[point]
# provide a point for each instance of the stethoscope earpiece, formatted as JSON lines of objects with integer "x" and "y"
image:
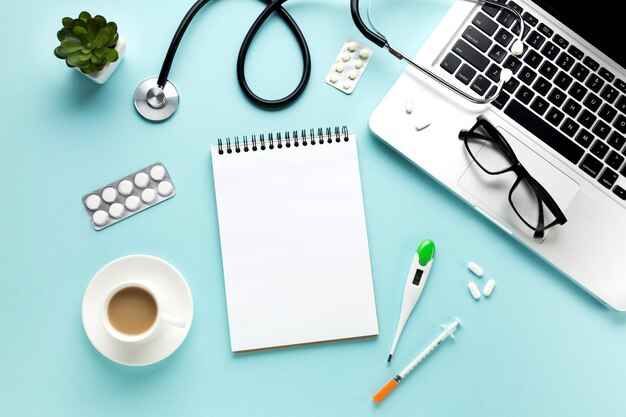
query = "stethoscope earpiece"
{"x": 517, "y": 50}
{"x": 154, "y": 102}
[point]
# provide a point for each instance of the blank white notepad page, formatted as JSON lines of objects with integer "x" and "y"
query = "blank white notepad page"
{"x": 294, "y": 245}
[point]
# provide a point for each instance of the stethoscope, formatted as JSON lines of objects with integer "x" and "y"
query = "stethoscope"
{"x": 157, "y": 98}
{"x": 517, "y": 49}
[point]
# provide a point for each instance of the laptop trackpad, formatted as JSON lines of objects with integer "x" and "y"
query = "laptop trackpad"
{"x": 492, "y": 191}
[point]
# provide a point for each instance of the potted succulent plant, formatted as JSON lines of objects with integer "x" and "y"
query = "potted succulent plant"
{"x": 91, "y": 45}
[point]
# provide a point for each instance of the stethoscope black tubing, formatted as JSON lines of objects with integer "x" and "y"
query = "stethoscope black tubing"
{"x": 272, "y": 6}
{"x": 378, "y": 40}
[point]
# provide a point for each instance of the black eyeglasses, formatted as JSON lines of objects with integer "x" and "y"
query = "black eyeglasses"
{"x": 529, "y": 199}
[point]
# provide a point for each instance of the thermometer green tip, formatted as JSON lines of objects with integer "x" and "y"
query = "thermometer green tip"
{"x": 426, "y": 251}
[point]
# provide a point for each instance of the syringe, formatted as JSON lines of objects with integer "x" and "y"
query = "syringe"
{"x": 447, "y": 331}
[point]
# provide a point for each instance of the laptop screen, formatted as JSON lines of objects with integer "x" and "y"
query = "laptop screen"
{"x": 599, "y": 22}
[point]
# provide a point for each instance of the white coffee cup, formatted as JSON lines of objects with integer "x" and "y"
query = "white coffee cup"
{"x": 160, "y": 318}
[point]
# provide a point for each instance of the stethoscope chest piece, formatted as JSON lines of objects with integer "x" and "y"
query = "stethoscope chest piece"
{"x": 154, "y": 102}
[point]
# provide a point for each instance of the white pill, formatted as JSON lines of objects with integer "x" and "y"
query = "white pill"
{"x": 339, "y": 68}
{"x": 157, "y": 172}
{"x": 474, "y": 290}
{"x": 141, "y": 180}
{"x": 421, "y": 124}
{"x": 100, "y": 218}
{"x": 165, "y": 188}
{"x": 489, "y": 286}
{"x": 409, "y": 105}
{"x": 334, "y": 78}
{"x": 132, "y": 203}
{"x": 475, "y": 269}
{"x": 352, "y": 75}
{"x": 92, "y": 202}
{"x": 109, "y": 194}
{"x": 116, "y": 210}
{"x": 125, "y": 187}
{"x": 346, "y": 85}
{"x": 345, "y": 57}
{"x": 351, "y": 46}
{"x": 148, "y": 195}
{"x": 358, "y": 64}
{"x": 364, "y": 54}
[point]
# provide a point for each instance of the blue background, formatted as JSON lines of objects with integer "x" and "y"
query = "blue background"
{"x": 539, "y": 346}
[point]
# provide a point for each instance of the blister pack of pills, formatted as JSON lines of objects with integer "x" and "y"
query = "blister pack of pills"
{"x": 128, "y": 195}
{"x": 346, "y": 71}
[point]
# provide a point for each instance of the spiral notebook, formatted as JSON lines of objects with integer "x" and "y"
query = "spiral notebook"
{"x": 293, "y": 238}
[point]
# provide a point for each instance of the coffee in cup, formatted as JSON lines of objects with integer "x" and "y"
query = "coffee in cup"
{"x": 132, "y": 313}
{"x": 132, "y": 310}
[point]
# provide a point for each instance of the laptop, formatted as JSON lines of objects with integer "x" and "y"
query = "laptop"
{"x": 563, "y": 113}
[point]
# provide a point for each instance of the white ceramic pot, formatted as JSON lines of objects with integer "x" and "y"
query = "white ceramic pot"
{"x": 105, "y": 73}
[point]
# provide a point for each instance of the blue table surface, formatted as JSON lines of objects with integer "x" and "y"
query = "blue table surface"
{"x": 540, "y": 346}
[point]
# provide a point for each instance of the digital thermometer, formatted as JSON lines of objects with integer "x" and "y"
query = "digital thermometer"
{"x": 415, "y": 281}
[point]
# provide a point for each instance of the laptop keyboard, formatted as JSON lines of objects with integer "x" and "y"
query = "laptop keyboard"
{"x": 564, "y": 97}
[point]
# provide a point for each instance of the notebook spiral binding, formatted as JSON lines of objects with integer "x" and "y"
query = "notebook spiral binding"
{"x": 283, "y": 140}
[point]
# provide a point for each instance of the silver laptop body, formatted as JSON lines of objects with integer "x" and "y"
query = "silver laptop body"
{"x": 586, "y": 179}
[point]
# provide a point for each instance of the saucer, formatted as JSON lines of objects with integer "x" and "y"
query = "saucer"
{"x": 170, "y": 288}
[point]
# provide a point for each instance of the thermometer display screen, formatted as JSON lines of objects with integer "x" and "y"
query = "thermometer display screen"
{"x": 418, "y": 277}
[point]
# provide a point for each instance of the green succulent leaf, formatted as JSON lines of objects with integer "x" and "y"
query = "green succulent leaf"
{"x": 60, "y": 53}
{"x": 112, "y": 26}
{"x": 71, "y": 46}
{"x": 84, "y": 16}
{"x": 66, "y": 33}
{"x": 79, "y": 23}
{"x": 93, "y": 28}
{"x": 81, "y": 32}
{"x": 114, "y": 41}
{"x": 101, "y": 20}
{"x": 103, "y": 37}
{"x": 67, "y": 22}
{"x": 112, "y": 55}
{"x": 78, "y": 59}
{"x": 101, "y": 53}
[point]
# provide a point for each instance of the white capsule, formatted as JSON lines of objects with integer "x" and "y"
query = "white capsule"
{"x": 421, "y": 123}
{"x": 352, "y": 75}
{"x": 347, "y": 85}
{"x": 352, "y": 46}
{"x": 489, "y": 286}
{"x": 334, "y": 78}
{"x": 364, "y": 54}
{"x": 474, "y": 290}
{"x": 358, "y": 64}
{"x": 345, "y": 57}
{"x": 477, "y": 270}
{"x": 409, "y": 105}
{"x": 339, "y": 68}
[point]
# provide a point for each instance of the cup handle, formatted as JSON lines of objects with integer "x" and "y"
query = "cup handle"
{"x": 173, "y": 320}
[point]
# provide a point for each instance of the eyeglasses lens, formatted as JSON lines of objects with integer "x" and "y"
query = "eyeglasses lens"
{"x": 529, "y": 207}
{"x": 487, "y": 153}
